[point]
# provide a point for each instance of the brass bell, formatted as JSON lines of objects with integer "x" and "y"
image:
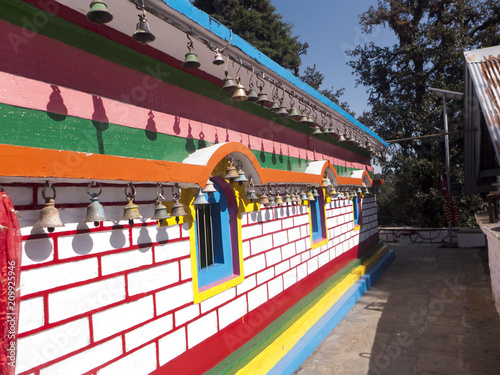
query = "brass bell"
{"x": 218, "y": 60}
{"x": 231, "y": 173}
{"x": 310, "y": 196}
{"x": 303, "y": 196}
{"x": 241, "y": 176}
{"x": 209, "y": 187}
{"x": 130, "y": 210}
{"x": 160, "y": 211}
{"x": 263, "y": 100}
{"x": 95, "y": 210}
{"x": 272, "y": 202}
{"x": 263, "y": 199}
{"x": 191, "y": 61}
{"x": 99, "y": 12}
{"x": 142, "y": 33}
{"x": 282, "y": 112}
{"x": 251, "y": 195}
{"x": 324, "y": 182}
{"x": 275, "y": 107}
{"x": 177, "y": 210}
{"x": 49, "y": 215}
{"x": 229, "y": 84}
{"x": 278, "y": 200}
{"x": 341, "y": 139}
{"x": 316, "y": 131}
{"x": 294, "y": 114}
{"x": 252, "y": 95}
{"x": 315, "y": 193}
{"x": 287, "y": 198}
{"x": 200, "y": 199}
{"x": 239, "y": 94}
{"x": 304, "y": 120}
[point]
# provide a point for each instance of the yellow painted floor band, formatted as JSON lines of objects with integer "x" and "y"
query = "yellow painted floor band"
{"x": 273, "y": 353}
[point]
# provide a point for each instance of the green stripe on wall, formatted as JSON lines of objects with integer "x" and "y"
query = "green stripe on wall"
{"x": 17, "y": 12}
{"x": 33, "y": 128}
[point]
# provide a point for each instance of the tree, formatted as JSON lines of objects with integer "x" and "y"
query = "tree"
{"x": 257, "y": 22}
{"x": 431, "y": 38}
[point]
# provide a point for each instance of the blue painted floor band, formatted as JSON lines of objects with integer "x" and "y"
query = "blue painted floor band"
{"x": 311, "y": 340}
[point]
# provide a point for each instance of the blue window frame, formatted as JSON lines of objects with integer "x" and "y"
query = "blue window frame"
{"x": 318, "y": 230}
{"x": 356, "y": 206}
{"x": 213, "y": 239}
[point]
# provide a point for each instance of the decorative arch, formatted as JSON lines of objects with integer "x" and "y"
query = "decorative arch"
{"x": 212, "y": 155}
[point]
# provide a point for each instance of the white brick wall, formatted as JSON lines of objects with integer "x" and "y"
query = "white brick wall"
{"x": 280, "y": 238}
{"x": 172, "y": 346}
{"x": 148, "y": 332}
{"x": 141, "y": 362}
{"x": 289, "y": 278}
{"x": 92, "y": 243}
{"x": 119, "y": 318}
{"x": 257, "y": 297}
{"x": 152, "y": 278}
{"x": 201, "y": 329}
{"x": 172, "y": 250}
{"x": 53, "y": 343}
{"x": 254, "y": 264}
{"x": 288, "y": 251}
{"x": 87, "y": 360}
{"x": 31, "y": 314}
{"x": 273, "y": 257}
{"x": 282, "y": 267}
{"x": 232, "y": 311}
{"x": 186, "y": 314}
{"x": 261, "y": 244}
{"x": 249, "y": 283}
{"x": 275, "y": 286}
{"x": 174, "y": 297}
{"x": 217, "y": 300}
{"x": 251, "y": 231}
{"x": 186, "y": 272}
{"x": 148, "y": 234}
{"x": 49, "y": 277}
{"x": 271, "y": 227}
{"x": 75, "y": 301}
{"x": 126, "y": 260}
{"x": 265, "y": 275}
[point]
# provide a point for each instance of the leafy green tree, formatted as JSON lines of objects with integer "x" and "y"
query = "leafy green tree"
{"x": 257, "y": 22}
{"x": 431, "y": 38}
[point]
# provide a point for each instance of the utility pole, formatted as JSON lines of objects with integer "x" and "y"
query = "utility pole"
{"x": 450, "y": 95}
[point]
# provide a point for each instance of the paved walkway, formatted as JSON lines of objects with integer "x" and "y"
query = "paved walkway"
{"x": 430, "y": 313}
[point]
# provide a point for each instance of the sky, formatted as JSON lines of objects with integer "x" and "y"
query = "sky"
{"x": 331, "y": 27}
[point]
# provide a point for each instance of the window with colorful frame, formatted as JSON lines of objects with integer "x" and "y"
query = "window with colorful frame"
{"x": 216, "y": 255}
{"x": 317, "y": 220}
{"x": 357, "y": 211}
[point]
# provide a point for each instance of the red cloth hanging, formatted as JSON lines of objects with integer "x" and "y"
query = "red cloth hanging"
{"x": 10, "y": 266}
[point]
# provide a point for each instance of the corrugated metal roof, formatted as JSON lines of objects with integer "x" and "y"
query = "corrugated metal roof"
{"x": 484, "y": 67}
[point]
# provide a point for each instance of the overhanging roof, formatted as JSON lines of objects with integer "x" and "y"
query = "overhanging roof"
{"x": 484, "y": 68}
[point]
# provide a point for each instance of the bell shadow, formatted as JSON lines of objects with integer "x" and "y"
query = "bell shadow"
{"x": 38, "y": 250}
{"x": 262, "y": 152}
{"x": 281, "y": 155}
{"x": 201, "y": 142}
{"x": 56, "y": 109}
{"x": 144, "y": 240}
{"x": 177, "y": 125}
{"x": 82, "y": 244}
{"x": 227, "y": 135}
{"x": 117, "y": 238}
{"x": 151, "y": 131}
{"x": 190, "y": 147}
{"x": 100, "y": 121}
{"x": 216, "y": 137}
{"x": 289, "y": 164}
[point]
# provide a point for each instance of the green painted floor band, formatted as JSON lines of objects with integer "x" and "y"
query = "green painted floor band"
{"x": 242, "y": 356}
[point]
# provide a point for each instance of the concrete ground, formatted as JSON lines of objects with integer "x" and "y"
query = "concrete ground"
{"x": 431, "y": 312}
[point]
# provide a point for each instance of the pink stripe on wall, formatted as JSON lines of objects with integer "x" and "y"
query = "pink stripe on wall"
{"x": 175, "y": 111}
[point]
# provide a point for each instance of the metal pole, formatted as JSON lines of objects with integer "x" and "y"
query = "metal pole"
{"x": 447, "y": 160}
